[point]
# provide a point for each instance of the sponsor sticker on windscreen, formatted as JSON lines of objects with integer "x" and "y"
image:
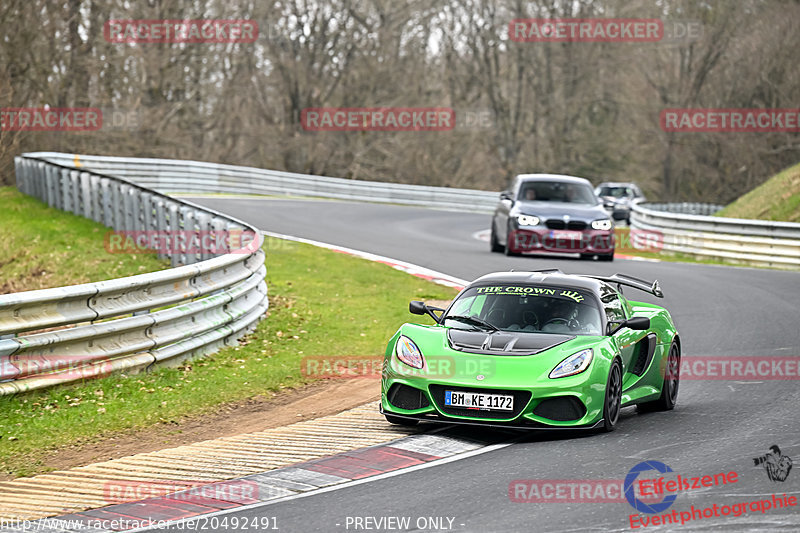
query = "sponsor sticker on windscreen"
{"x": 477, "y": 400}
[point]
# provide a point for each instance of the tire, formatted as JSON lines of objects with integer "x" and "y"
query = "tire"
{"x": 508, "y": 251}
{"x": 396, "y": 420}
{"x": 587, "y": 257}
{"x": 493, "y": 243}
{"x": 669, "y": 389}
{"x": 613, "y": 398}
{"x": 606, "y": 257}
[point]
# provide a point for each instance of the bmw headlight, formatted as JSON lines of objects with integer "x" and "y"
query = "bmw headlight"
{"x": 603, "y": 223}
{"x": 527, "y": 220}
{"x": 407, "y": 352}
{"x": 574, "y": 364}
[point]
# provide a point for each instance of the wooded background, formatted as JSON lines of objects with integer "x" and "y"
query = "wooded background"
{"x": 588, "y": 109}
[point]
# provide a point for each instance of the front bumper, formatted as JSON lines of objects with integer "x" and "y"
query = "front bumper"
{"x": 561, "y": 241}
{"x": 618, "y": 211}
{"x": 524, "y": 424}
{"x": 574, "y": 402}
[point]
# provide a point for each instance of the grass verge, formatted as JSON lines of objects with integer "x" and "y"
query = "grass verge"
{"x": 776, "y": 199}
{"x": 44, "y": 247}
{"x": 321, "y": 303}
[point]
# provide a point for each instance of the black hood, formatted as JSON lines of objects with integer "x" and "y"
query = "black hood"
{"x": 504, "y": 342}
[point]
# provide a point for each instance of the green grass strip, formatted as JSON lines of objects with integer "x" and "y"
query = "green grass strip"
{"x": 44, "y": 247}
{"x": 322, "y": 303}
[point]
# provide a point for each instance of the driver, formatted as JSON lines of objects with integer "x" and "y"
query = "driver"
{"x": 530, "y": 193}
{"x": 561, "y": 316}
{"x": 561, "y": 309}
{"x": 570, "y": 193}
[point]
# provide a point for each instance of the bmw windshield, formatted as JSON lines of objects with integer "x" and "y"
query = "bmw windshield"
{"x": 557, "y": 191}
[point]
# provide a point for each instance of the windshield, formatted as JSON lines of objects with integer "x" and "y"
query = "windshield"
{"x": 616, "y": 192}
{"x": 525, "y": 308}
{"x": 556, "y": 191}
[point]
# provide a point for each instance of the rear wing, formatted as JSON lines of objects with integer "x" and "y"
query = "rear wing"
{"x": 629, "y": 281}
{"x": 620, "y": 279}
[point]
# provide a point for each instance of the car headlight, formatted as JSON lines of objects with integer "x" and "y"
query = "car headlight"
{"x": 603, "y": 223}
{"x": 574, "y": 364}
{"x": 407, "y": 352}
{"x": 527, "y": 220}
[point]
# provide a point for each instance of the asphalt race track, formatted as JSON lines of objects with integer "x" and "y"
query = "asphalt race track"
{"x": 718, "y": 425}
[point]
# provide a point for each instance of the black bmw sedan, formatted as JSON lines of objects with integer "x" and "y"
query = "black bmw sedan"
{"x": 552, "y": 213}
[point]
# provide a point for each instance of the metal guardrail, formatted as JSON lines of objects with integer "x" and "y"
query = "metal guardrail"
{"x": 751, "y": 242}
{"x": 685, "y": 208}
{"x": 171, "y": 175}
{"x": 176, "y": 314}
{"x": 209, "y": 301}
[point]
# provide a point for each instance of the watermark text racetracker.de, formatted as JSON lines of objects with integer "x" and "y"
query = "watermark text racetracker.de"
{"x": 180, "y": 31}
{"x": 356, "y": 366}
{"x": 378, "y": 119}
{"x": 122, "y": 523}
{"x": 570, "y": 491}
{"x": 55, "y": 366}
{"x": 566, "y": 240}
{"x": 739, "y": 368}
{"x": 241, "y": 491}
{"x": 608, "y": 30}
{"x": 172, "y": 242}
{"x": 48, "y": 118}
{"x": 730, "y": 120}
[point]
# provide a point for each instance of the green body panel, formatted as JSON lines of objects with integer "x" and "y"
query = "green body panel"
{"x": 454, "y": 368}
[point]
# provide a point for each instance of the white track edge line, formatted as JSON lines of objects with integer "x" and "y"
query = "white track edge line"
{"x": 346, "y": 484}
{"x": 370, "y": 257}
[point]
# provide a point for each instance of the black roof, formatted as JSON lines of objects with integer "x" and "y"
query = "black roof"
{"x": 556, "y": 278}
{"x": 542, "y": 278}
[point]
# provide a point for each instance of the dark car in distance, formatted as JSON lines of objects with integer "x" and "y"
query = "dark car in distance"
{"x": 552, "y": 213}
{"x": 618, "y": 198}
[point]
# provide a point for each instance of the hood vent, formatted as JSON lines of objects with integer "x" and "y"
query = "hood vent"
{"x": 504, "y": 342}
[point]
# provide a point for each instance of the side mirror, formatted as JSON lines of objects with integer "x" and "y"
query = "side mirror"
{"x": 506, "y": 195}
{"x": 638, "y": 323}
{"x": 419, "y": 308}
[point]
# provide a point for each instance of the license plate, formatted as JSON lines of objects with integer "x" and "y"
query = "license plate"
{"x": 478, "y": 400}
{"x": 566, "y": 234}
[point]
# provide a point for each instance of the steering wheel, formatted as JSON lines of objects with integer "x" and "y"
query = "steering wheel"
{"x": 571, "y": 323}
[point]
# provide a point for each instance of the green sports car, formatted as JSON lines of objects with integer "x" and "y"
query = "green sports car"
{"x": 536, "y": 350}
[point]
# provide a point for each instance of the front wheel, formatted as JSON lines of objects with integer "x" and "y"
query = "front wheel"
{"x": 613, "y": 400}
{"x": 398, "y": 421}
{"x": 509, "y": 251}
{"x": 669, "y": 390}
{"x": 494, "y": 243}
{"x": 606, "y": 257}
